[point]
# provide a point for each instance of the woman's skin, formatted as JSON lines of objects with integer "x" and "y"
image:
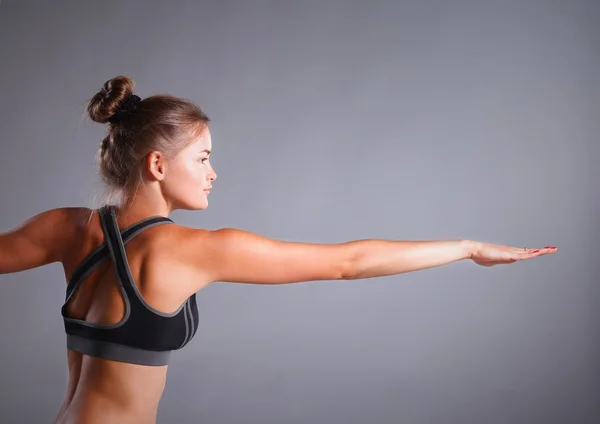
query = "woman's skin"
{"x": 171, "y": 262}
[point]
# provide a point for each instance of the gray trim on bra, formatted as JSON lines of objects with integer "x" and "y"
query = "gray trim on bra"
{"x": 191, "y": 324}
{"x": 188, "y": 328}
{"x": 117, "y": 352}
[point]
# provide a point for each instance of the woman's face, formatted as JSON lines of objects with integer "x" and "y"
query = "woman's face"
{"x": 190, "y": 175}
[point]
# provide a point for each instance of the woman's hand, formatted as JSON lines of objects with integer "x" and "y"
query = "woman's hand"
{"x": 485, "y": 254}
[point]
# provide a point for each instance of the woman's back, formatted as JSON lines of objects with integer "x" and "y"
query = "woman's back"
{"x": 105, "y": 388}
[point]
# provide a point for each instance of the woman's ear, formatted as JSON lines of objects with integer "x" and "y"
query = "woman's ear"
{"x": 156, "y": 165}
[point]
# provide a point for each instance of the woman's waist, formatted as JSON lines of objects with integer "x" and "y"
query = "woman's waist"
{"x": 91, "y": 407}
{"x": 122, "y": 385}
{"x": 94, "y": 406}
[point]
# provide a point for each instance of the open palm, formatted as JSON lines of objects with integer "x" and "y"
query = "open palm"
{"x": 486, "y": 254}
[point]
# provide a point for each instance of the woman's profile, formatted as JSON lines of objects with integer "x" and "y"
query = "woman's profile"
{"x": 133, "y": 274}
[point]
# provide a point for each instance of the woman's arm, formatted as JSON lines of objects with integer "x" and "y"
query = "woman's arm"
{"x": 231, "y": 255}
{"x": 38, "y": 241}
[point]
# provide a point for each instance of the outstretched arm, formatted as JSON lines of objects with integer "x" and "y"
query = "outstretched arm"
{"x": 232, "y": 255}
{"x": 38, "y": 241}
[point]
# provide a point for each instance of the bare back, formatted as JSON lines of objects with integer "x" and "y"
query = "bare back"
{"x": 105, "y": 391}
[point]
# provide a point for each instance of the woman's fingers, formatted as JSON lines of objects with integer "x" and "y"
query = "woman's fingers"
{"x": 529, "y": 249}
{"x": 512, "y": 254}
{"x": 534, "y": 253}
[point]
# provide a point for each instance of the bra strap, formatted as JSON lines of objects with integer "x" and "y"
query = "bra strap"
{"x": 94, "y": 258}
{"x": 116, "y": 247}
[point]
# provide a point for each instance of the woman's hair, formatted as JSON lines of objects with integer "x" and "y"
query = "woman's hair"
{"x": 162, "y": 122}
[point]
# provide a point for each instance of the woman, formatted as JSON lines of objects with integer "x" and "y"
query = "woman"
{"x": 132, "y": 273}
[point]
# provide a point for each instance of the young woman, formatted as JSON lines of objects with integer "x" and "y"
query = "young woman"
{"x": 132, "y": 273}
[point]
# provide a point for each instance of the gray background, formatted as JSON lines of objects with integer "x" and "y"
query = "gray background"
{"x": 335, "y": 121}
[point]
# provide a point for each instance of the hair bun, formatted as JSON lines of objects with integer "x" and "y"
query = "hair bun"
{"x": 111, "y": 99}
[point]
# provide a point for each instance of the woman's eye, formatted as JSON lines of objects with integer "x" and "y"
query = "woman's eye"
{"x": 203, "y": 160}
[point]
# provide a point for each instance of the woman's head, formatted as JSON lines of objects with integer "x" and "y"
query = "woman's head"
{"x": 158, "y": 145}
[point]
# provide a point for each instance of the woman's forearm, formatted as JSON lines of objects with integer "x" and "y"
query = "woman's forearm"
{"x": 376, "y": 258}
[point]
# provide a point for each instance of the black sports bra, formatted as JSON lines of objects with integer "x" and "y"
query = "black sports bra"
{"x": 145, "y": 335}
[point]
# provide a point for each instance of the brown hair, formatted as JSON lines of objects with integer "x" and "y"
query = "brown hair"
{"x": 161, "y": 122}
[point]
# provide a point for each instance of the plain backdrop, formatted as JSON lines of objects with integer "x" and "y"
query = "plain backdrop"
{"x": 335, "y": 121}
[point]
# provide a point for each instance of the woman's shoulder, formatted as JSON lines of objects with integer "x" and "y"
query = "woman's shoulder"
{"x": 41, "y": 239}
